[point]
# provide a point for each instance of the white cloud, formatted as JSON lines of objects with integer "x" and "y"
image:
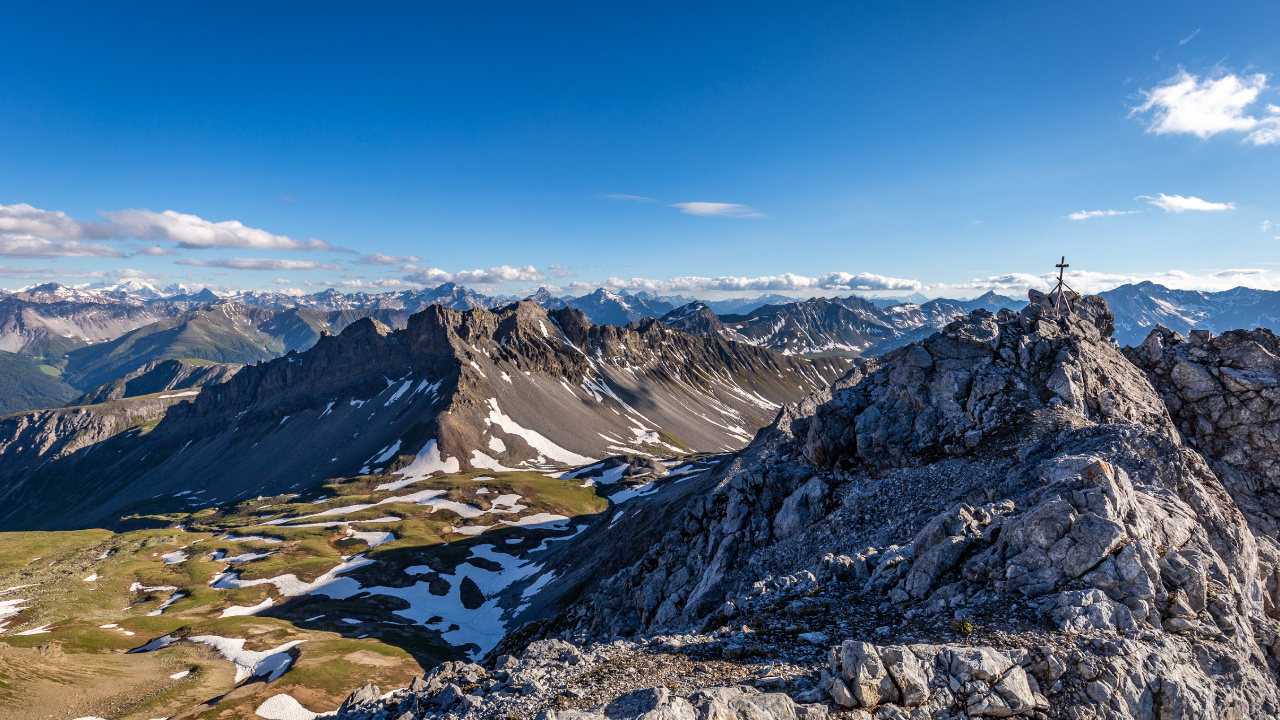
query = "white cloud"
{"x": 23, "y": 245}
{"x": 156, "y": 250}
{"x": 22, "y": 273}
{"x": 1186, "y": 104}
{"x": 375, "y": 284}
{"x": 1177, "y": 203}
{"x": 492, "y": 276}
{"x": 787, "y": 282}
{"x": 1087, "y": 214}
{"x": 1017, "y": 284}
{"x": 24, "y": 219}
{"x": 259, "y": 264}
{"x": 282, "y": 281}
{"x": 383, "y": 259}
{"x": 118, "y": 274}
{"x": 1188, "y": 38}
{"x": 634, "y": 198}
{"x": 718, "y": 209}
{"x": 191, "y": 231}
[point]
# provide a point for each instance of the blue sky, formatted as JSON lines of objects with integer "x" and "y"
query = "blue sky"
{"x": 724, "y": 148}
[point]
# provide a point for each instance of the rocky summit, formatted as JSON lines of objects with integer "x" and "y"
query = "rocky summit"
{"x": 1012, "y": 518}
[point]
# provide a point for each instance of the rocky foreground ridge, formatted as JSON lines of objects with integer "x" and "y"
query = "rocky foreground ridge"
{"x": 1013, "y": 518}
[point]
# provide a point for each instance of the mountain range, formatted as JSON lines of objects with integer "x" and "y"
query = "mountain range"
{"x": 517, "y": 388}
{"x": 68, "y": 341}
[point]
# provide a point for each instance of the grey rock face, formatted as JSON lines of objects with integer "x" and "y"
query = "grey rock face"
{"x": 866, "y": 674}
{"x": 1224, "y": 395}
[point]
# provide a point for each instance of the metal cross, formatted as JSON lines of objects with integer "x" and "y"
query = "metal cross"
{"x": 1058, "y": 299}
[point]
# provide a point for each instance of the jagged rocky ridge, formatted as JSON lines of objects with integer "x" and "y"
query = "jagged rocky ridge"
{"x": 520, "y": 388}
{"x": 838, "y": 325}
{"x": 1008, "y": 519}
{"x": 159, "y": 376}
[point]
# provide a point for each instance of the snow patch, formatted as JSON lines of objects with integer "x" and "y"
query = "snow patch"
{"x": 387, "y": 453}
{"x": 239, "y": 610}
{"x": 399, "y": 392}
{"x": 426, "y": 462}
{"x": 164, "y": 605}
{"x": 338, "y": 588}
{"x": 271, "y": 663}
{"x": 537, "y": 585}
{"x": 484, "y": 462}
{"x": 535, "y": 440}
{"x": 374, "y": 538}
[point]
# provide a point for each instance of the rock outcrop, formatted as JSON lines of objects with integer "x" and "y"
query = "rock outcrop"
{"x": 158, "y": 376}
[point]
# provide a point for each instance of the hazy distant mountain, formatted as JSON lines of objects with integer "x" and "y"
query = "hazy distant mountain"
{"x": 696, "y": 318}
{"x": 843, "y": 326}
{"x": 742, "y": 306}
{"x": 1139, "y": 308}
{"x": 50, "y": 321}
{"x": 604, "y": 307}
{"x": 544, "y": 298}
{"x": 820, "y": 325}
{"x": 448, "y": 294}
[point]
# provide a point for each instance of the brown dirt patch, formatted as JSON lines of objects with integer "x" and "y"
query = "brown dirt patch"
{"x": 365, "y": 657}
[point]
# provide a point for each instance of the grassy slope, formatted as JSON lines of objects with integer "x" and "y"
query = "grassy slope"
{"x": 336, "y": 657}
{"x": 205, "y": 335}
{"x": 25, "y": 384}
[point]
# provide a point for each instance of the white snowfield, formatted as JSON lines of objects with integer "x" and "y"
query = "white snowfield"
{"x": 165, "y": 605}
{"x": 428, "y": 498}
{"x": 374, "y": 538}
{"x": 482, "y": 627}
{"x": 285, "y": 707}
{"x": 9, "y": 608}
{"x": 246, "y": 557}
{"x": 238, "y": 610}
{"x": 289, "y": 585}
{"x": 176, "y": 556}
{"x": 535, "y": 440}
{"x": 270, "y": 663}
{"x": 426, "y": 462}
